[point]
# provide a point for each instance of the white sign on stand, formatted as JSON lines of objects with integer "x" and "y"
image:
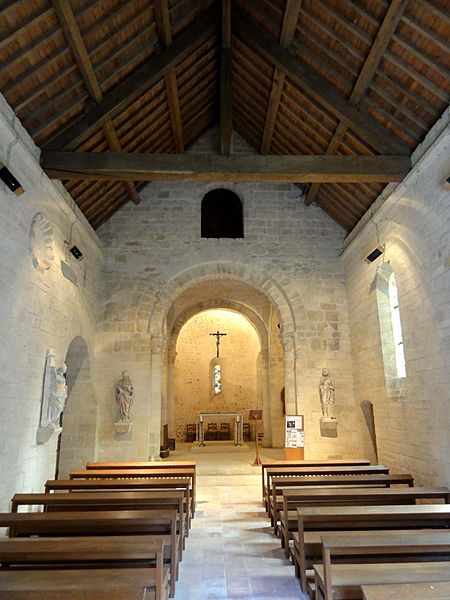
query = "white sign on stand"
{"x": 294, "y": 434}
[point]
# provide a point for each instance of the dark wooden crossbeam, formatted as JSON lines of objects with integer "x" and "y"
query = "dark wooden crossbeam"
{"x": 387, "y": 28}
{"x": 200, "y": 167}
{"x": 325, "y": 94}
{"x": 134, "y": 86}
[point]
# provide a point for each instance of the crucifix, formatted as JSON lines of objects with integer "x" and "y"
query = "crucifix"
{"x": 218, "y": 336}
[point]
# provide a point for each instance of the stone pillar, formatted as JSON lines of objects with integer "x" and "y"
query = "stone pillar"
{"x": 171, "y": 356}
{"x": 154, "y": 409}
{"x": 267, "y": 413}
{"x": 290, "y": 375}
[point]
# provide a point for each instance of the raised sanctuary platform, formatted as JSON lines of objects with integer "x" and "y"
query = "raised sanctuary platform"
{"x": 219, "y": 446}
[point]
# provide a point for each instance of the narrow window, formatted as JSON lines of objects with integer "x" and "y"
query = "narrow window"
{"x": 222, "y": 215}
{"x": 217, "y": 380}
{"x": 396, "y": 328}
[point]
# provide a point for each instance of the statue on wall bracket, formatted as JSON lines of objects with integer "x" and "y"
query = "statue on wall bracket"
{"x": 54, "y": 398}
{"x": 123, "y": 394}
{"x": 328, "y": 422}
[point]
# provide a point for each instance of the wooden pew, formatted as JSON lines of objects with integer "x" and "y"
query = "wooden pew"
{"x": 338, "y": 462}
{"x": 109, "y": 501}
{"x": 154, "y": 472}
{"x": 119, "y": 484}
{"x": 331, "y": 519}
{"x": 435, "y": 590}
{"x": 61, "y": 555}
{"x": 100, "y": 523}
{"x": 320, "y": 471}
{"x": 75, "y": 584}
{"x": 164, "y": 465}
{"x": 128, "y": 593}
{"x": 294, "y": 498}
{"x": 279, "y": 484}
{"x": 344, "y": 581}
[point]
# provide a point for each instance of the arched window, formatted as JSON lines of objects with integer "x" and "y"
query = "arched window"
{"x": 222, "y": 215}
{"x": 390, "y": 327}
{"x": 396, "y": 328}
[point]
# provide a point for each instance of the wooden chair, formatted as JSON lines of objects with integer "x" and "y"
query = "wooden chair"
{"x": 246, "y": 432}
{"x": 190, "y": 433}
{"x": 211, "y": 432}
{"x": 224, "y": 432}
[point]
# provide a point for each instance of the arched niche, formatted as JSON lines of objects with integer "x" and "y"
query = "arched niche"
{"x": 77, "y": 440}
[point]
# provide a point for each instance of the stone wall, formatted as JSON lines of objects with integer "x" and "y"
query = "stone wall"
{"x": 290, "y": 254}
{"x": 39, "y": 305}
{"x": 239, "y": 352}
{"x": 412, "y": 418}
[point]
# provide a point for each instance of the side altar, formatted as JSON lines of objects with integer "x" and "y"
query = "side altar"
{"x": 200, "y": 428}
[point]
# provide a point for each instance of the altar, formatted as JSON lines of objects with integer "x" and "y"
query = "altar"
{"x": 200, "y": 428}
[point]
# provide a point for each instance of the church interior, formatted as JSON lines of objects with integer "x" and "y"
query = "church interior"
{"x": 219, "y": 219}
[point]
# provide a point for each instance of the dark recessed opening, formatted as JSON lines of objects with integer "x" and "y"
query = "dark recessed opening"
{"x": 222, "y": 215}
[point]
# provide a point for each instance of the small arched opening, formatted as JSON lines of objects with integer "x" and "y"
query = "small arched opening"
{"x": 222, "y": 215}
{"x": 76, "y": 444}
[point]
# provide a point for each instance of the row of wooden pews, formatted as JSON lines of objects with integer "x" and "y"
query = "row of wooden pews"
{"x": 112, "y": 530}
{"x": 354, "y": 530}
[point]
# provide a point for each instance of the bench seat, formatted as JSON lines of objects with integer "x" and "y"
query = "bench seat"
{"x": 348, "y": 578}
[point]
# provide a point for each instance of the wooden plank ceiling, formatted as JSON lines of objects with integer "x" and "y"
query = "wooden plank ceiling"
{"x": 343, "y": 78}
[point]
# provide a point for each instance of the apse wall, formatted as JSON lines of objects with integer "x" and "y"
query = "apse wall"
{"x": 412, "y": 414}
{"x": 286, "y": 246}
{"x": 40, "y": 306}
{"x": 239, "y": 350}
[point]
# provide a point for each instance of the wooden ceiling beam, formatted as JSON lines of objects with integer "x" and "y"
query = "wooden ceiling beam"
{"x": 66, "y": 17}
{"x": 226, "y": 82}
{"x": 317, "y": 87}
{"x": 162, "y": 18}
{"x": 136, "y": 84}
{"x": 173, "y": 167}
{"x": 290, "y": 20}
{"x": 387, "y": 28}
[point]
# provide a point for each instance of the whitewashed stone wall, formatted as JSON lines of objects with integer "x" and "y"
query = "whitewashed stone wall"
{"x": 412, "y": 428}
{"x": 39, "y": 307}
{"x": 153, "y": 244}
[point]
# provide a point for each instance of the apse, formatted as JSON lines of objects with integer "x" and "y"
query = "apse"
{"x": 216, "y": 373}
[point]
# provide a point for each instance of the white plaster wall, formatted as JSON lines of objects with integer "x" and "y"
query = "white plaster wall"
{"x": 414, "y": 224}
{"x": 151, "y": 244}
{"x": 38, "y": 309}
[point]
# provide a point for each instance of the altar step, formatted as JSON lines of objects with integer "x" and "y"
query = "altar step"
{"x": 219, "y": 446}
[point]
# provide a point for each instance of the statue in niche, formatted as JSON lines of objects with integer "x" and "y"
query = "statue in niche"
{"x": 124, "y": 393}
{"x": 53, "y": 398}
{"x": 326, "y": 392}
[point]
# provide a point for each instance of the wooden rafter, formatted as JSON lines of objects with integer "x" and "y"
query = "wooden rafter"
{"x": 325, "y": 94}
{"x": 226, "y": 100}
{"x": 162, "y": 18}
{"x": 136, "y": 84}
{"x": 173, "y": 167}
{"x": 290, "y": 20}
{"x": 66, "y": 17}
{"x": 387, "y": 28}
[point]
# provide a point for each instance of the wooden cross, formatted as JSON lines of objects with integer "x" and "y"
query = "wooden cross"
{"x": 218, "y": 336}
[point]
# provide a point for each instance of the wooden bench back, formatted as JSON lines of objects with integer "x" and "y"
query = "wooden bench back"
{"x": 386, "y": 547}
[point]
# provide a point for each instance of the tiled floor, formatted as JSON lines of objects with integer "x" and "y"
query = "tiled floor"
{"x": 231, "y": 551}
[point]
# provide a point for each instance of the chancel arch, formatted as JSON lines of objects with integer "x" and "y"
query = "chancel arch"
{"x": 272, "y": 300}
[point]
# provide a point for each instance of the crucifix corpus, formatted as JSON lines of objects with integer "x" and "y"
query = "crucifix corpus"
{"x": 218, "y": 335}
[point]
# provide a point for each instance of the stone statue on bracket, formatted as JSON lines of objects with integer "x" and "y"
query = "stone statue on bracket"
{"x": 326, "y": 392}
{"x": 124, "y": 394}
{"x": 53, "y": 398}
